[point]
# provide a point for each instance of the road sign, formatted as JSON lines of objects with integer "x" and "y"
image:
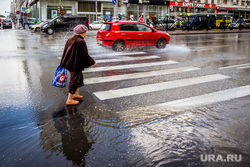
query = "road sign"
{"x": 114, "y": 2}
{"x": 18, "y": 12}
{"x": 23, "y": 9}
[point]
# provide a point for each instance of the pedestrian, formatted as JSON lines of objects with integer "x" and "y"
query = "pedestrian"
{"x": 111, "y": 18}
{"x": 24, "y": 22}
{"x": 119, "y": 16}
{"x": 1, "y": 23}
{"x": 155, "y": 22}
{"x": 148, "y": 21}
{"x": 21, "y": 22}
{"x": 141, "y": 18}
{"x": 75, "y": 59}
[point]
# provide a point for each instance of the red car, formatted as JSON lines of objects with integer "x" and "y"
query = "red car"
{"x": 122, "y": 34}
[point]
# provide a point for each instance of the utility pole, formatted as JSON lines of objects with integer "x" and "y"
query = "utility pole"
{"x": 115, "y": 3}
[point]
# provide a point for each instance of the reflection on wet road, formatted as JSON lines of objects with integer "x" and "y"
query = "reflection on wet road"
{"x": 142, "y": 107}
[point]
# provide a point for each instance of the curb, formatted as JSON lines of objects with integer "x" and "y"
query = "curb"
{"x": 185, "y": 32}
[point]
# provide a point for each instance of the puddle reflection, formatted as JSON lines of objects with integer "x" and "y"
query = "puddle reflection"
{"x": 75, "y": 145}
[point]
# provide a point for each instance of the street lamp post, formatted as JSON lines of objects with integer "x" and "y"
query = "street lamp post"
{"x": 240, "y": 22}
{"x": 224, "y": 25}
{"x": 207, "y": 22}
{"x": 167, "y": 23}
{"x": 194, "y": 5}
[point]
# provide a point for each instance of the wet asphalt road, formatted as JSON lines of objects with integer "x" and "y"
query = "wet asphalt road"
{"x": 158, "y": 114}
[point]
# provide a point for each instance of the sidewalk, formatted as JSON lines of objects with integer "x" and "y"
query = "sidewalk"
{"x": 215, "y": 31}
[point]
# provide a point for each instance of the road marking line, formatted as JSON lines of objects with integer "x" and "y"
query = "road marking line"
{"x": 114, "y": 54}
{"x": 138, "y": 75}
{"x": 244, "y": 67}
{"x": 118, "y": 54}
{"x": 149, "y": 113}
{"x": 119, "y": 67}
{"x": 127, "y": 59}
{"x": 117, "y": 93}
{"x": 240, "y": 65}
{"x": 210, "y": 98}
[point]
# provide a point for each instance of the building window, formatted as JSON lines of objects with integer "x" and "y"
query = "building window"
{"x": 88, "y": 7}
{"x": 242, "y": 3}
{"x": 212, "y": 1}
{"x": 218, "y": 1}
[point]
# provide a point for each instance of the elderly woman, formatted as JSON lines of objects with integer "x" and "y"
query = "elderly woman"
{"x": 75, "y": 58}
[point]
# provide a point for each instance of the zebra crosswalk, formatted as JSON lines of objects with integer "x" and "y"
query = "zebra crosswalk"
{"x": 110, "y": 94}
{"x": 136, "y": 61}
{"x": 154, "y": 61}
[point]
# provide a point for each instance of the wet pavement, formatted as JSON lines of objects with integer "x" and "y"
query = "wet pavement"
{"x": 152, "y": 117}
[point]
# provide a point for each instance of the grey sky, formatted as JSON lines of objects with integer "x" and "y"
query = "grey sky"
{"x": 5, "y": 6}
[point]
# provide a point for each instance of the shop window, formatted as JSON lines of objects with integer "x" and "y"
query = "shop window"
{"x": 88, "y": 7}
{"x": 132, "y": 7}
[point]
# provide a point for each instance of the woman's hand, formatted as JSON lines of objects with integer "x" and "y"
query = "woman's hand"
{"x": 95, "y": 65}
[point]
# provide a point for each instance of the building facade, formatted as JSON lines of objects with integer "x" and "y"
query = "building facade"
{"x": 130, "y": 9}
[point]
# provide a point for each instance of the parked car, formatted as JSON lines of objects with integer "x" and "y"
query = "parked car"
{"x": 122, "y": 34}
{"x": 244, "y": 23}
{"x": 96, "y": 25}
{"x": 31, "y": 21}
{"x": 37, "y": 27}
{"x": 63, "y": 23}
{"x": 7, "y": 23}
{"x": 171, "y": 24}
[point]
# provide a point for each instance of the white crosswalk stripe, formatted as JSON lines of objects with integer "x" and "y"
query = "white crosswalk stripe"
{"x": 128, "y": 66}
{"x": 169, "y": 108}
{"x": 138, "y": 75}
{"x": 111, "y": 94}
{"x": 127, "y": 59}
{"x": 118, "y": 54}
{"x": 210, "y": 98}
{"x": 233, "y": 66}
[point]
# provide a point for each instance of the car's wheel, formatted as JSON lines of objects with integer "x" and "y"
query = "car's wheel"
{"x": 161, "y": 43}
{"x": 37, "y": 29}
{"x": 119, "y": 46}
{"x": 50, "y": 31}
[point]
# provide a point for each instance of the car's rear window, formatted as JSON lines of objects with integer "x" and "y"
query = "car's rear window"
{"x": 106, "y": 26}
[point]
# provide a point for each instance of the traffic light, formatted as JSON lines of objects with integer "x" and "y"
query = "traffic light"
{"x": 120, "y": 3}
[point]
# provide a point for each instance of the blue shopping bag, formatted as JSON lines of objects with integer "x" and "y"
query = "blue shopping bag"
{"x": 60, "y": 78}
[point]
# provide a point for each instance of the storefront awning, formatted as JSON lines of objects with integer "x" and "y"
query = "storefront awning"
{"x": 190, "y": 4}
{"x": 150, "y": 2}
